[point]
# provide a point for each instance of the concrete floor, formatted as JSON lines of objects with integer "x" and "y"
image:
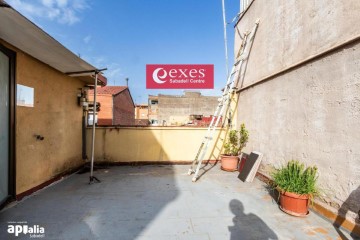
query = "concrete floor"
{"x": 160, "y": 202}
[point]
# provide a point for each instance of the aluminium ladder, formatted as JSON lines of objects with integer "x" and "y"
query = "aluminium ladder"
{"x": 225, "y": 100}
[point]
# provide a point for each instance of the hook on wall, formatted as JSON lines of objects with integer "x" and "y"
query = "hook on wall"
{"x": 39, "y": 137}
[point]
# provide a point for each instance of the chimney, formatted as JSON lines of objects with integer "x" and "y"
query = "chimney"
{"x": 127, "y": 82}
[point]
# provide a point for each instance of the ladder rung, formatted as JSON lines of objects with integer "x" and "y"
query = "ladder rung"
{"x": 237, "y": 62}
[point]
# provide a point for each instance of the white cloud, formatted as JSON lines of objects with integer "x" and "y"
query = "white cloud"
{"x": 61, "y": 3}
{"x": 68, "y": 17}
{"x": 100, "y": 61}
{"x": 62, "y": 11}
{"x": 48, "y": 3}
{"x": 87, "y": 39}
{"x": 114, "y": 74}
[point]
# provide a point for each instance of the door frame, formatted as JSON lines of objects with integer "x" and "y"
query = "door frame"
{"x": 12, "y": 124}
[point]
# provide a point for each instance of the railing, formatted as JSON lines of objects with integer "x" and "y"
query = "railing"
{"x": 244, "y": 4}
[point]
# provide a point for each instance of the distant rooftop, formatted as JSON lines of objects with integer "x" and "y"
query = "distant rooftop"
{"x": 110, "y": 90}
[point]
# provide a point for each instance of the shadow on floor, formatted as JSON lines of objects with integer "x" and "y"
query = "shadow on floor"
{"x": 248, "y": 226}
{"x": 204, "y": 168}
{"x": 275, "y": 196}
{"x": 352, "y": 203}
{"x": 122, "y": 206}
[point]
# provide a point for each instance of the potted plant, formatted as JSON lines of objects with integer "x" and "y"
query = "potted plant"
{"x": 296, "y": 185}
{"x": 232, "y": 148}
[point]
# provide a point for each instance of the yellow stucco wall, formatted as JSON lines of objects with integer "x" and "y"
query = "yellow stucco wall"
{"x": 132, "y": 144}
{"x": 55, "y": 115}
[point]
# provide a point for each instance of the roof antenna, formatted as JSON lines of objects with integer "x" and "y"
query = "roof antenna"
{"x": 127, "y": 82}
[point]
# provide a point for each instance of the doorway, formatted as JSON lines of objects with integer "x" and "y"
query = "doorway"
{"x": 7, "y": 125}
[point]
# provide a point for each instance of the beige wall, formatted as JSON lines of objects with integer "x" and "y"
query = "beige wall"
{"x": 312, "y": 112}
{"x": 293, "y": 30}
{"x": 55, "y": 115}
{"x": 152, "y": 144}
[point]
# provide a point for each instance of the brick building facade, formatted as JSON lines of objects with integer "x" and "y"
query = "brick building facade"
{"x": 142, "y": 114}
{"x": 177, "y": 110}
{"x": 117, "y": 105}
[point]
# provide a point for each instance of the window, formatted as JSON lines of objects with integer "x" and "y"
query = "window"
{"x": 25, "y": 96}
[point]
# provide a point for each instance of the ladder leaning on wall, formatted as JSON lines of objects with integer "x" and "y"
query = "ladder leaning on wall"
{"x": 225, "y": 100}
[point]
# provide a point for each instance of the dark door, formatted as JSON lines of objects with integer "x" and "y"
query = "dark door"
{"x": 6, "y": 124}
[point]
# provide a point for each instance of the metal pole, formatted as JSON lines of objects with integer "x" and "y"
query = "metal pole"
{"x": 92, "y": 178}
{"x": 225, "y": 39}
{"x": 84, "y": 157}
{"x": 87, "y": 73}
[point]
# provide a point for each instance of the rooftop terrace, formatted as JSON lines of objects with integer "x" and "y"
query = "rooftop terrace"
{"x": 161, "y": 202}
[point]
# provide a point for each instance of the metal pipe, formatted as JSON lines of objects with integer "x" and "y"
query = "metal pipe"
{"x": 86, "y": 71}
{"x": 84, "y": 157}
{"x": 93, "y": 129}
{"x": 225, "y": 39}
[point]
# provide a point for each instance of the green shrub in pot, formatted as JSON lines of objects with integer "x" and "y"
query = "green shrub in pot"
{"x": 236, "y": 141}
{"x": 295, "y": 181}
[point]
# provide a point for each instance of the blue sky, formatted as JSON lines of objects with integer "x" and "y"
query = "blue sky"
{"x": 125, "y": 35}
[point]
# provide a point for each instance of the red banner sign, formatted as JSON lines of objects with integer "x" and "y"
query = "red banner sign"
{"x": 179, "y": 76}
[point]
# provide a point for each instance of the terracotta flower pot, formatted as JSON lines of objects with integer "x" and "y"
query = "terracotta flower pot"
{"x": 229, "y": 163}
{"x": 294, "y": 204}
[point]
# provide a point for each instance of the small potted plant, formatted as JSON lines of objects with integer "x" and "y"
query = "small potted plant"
{"x": 232, "y": 148}
{"x": 296, "y": 185}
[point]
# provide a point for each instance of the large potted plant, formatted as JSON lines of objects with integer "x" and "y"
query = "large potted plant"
{"x": 232, "y": 148}
{"x": 296, "y": 185}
